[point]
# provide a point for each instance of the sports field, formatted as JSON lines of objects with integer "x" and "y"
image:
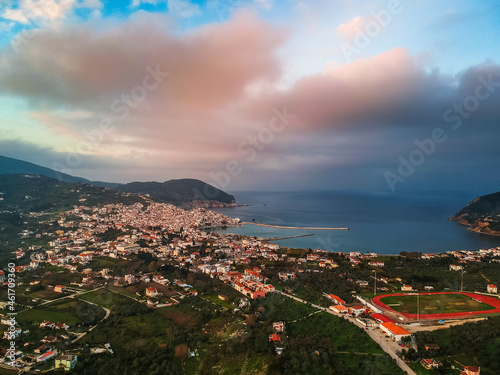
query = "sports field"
{"x": 444, "y": 305}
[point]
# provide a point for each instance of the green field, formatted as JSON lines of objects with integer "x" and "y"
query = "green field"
{"x": 69, "y": 311}
{"x": 434, "y": 304}
{"x": 106, "y": 298}
{"x": 39, "y": 315}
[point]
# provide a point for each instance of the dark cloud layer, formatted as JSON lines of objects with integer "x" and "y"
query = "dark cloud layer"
{"x": 351, "y": 122}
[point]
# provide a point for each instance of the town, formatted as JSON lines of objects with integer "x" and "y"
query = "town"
{"x": 158, "y": 256}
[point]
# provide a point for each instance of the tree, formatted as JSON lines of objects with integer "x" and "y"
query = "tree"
{"x": 181, "y": 352}
{"x": 152, "y": 266}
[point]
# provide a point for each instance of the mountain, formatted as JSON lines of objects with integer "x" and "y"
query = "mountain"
{"x": 184, "y": 192}
{"x": 482, "y": 215}
{"x": 35, "y": 193}
{"x": 16, "y": 166}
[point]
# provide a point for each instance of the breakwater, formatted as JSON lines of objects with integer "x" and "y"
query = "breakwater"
{"x": 283, "y": 227}
{"x": 287, "y": 238}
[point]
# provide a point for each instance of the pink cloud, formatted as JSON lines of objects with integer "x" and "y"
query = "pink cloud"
{"x": 191, "y": 117}
{"x": 372, "y": 89}
{"x": 352, "y": 28}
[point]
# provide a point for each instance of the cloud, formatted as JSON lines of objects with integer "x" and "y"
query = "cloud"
{"x": 137, "y": 3}
{"x": 266, "y": 4}
{"x": 380, "y": 89}
{"x": 6, "y": 26}
{"x": 209, "y": 69}
{"x": 176, "y": 8}
{"x": 223, "y": 87}
{"x": 352, "y": 28}
{"x": 46, "y": 11}
{"x": 183, "y": 8}
{"x": 91, "y": 4}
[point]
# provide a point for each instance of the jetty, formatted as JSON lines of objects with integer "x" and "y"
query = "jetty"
{"x": 286, "y": 238}
{"x": 283, "y": 227}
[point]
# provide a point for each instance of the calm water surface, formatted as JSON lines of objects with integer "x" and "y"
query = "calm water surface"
{"x": 384, "y": 223}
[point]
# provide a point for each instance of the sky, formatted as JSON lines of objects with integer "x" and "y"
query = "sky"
{"x": 384, "y": 96}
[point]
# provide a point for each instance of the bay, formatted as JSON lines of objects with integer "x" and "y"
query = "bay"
{"x": 385, "y": 223}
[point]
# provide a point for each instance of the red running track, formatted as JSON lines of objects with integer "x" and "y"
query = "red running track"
{"x": 494, "y": 302}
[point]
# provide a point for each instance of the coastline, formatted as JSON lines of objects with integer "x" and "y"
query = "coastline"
{"x": 472, "y": 229}
{"x": 287, "y": 227}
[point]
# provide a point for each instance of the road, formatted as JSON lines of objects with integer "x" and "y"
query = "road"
{"x": 60, "y": 298}
{"x": 80, "y": 335}
{"x": 388, "y": 345}
{"x": 71, "y": 295}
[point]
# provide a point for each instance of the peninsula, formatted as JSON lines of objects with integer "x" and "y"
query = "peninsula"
{"x": 481, "y": 215}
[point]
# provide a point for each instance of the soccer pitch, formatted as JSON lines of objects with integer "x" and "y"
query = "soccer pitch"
{"x": 434, "y": 304}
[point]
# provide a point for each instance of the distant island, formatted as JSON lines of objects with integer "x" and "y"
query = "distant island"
{"x": 482, "y": 215}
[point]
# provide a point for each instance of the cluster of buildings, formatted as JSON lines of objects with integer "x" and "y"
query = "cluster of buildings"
{"x": 163, "y": 230}
{"x": 278, "y": 330}
{"x": 45, "y": 349}
{"x": 465, "y": 256}
{"x": 431, "y": 364}
{"x": 341, "y": 307}
{"x": 356, "y": 258}
{"x": 250, "y": 283}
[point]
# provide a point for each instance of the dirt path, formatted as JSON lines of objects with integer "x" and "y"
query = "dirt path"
{"x": 484, "y": 277}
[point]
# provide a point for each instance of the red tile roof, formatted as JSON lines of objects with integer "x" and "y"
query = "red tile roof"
{"x": 382, "y": 318}
{"x": 396, "y": 330}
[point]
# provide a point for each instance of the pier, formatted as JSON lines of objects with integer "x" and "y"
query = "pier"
{"x": 286, "y": 238}
{"x": 283, "y": 227}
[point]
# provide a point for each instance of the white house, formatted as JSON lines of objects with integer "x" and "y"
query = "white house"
{"x": 492, "y": 288}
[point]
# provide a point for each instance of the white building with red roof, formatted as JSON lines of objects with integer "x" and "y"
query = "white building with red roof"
{"x": 46, "y": 356}
{"x": 152, "y": 292}
{"x": 395, "y": 331}
{"x": 471, "y": 370}
{"x": 336, "y": 299}
{"x": 340, "y": 309}
{"x": 59, "y": 288}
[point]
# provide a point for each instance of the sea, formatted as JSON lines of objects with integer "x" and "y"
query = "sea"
{"x": 385, "y": 223}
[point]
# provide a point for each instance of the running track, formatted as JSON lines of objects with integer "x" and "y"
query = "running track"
{"x": 495, "y": 302}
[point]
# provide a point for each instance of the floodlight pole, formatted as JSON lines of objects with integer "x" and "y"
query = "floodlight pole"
{"x": 462, "y": 283}
{"x": 375, "y": 284}
{"x": 418, "y": 306}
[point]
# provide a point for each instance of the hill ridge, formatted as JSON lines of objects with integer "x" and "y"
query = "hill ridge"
{"x": 184, "y": 192}
{"x": 481, "y": 215}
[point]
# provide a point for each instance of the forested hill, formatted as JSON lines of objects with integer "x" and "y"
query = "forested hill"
{"x": 185, "y": 192}
{"x": 37, "y": 193}
{"x": 16, "y": 166}
{"x": 182, "y": 192}
{"x": 482, "y": 215}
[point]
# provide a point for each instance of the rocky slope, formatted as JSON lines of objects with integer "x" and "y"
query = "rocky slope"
{"x": 482, "y": 215}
